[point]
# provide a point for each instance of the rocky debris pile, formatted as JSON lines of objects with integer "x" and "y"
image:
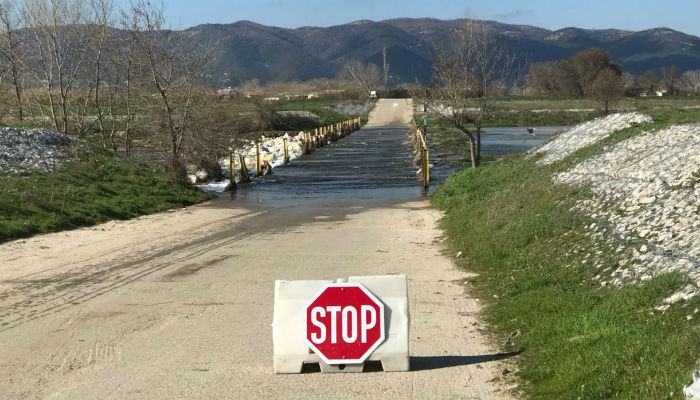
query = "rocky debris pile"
{"x": 24, "y": 150}
{"x": 647, "y": 192}
{"x": 350, "y": 109}
{"x": 585, "y": 134}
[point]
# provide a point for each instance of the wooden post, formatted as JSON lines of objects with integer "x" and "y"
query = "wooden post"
{"x": 258, "y": 160}
{"x": 245, "y": 177}
{"x": 307, "y": 145}
{"x": 286, "y": 152}
{"x": 426, "y": 167}
{"x": 232, "y": 173}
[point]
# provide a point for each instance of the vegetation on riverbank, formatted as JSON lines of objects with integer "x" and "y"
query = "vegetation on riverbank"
{"x": 533, "y": 255}
{"x": 551, "y": 111}
{"x": 318, "y": 106}
{"x": 93, "y": 187}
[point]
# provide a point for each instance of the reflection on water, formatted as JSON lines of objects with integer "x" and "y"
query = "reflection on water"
{"x": 370, "y": 166}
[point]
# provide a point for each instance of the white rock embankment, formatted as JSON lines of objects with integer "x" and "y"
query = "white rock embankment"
{"x": 272, "y": 151}
{"x": 585, "y": 134}
{"x": 647, "y": 192}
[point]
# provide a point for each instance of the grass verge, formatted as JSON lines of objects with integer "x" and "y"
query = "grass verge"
{"x": 316, "y": 106}
{"x": 94, "y": 187}
{"x": 536, "y": 263}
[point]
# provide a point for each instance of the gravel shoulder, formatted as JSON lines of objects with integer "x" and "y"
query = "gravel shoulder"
{"x": 179, "y": 304}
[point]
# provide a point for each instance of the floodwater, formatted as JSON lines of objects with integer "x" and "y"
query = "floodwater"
{"x": 501, "y": 141}
{"x": 370, "y": 166}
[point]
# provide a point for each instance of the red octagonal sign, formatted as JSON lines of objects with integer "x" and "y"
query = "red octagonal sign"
{"x": 344, "y": 323}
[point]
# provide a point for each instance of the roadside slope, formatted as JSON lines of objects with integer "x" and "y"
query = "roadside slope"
{"x": 581, "y": 276}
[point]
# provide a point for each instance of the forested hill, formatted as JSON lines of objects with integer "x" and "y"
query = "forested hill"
{"x": 245, "y": 50}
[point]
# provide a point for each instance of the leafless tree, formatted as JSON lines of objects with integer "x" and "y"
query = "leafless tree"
{"x": 55, "y": 26}
{"x": 173, "y": 73}
{"x": 607, "y": 89}
{"x": 691, "y": 82}
{"x": 469, "y": 77}
{"x": 649, "y": 81}
{"x": 671, "y": 78}
{"x": 540, "y": 79}
{"x": 11, "y": 51}
{"x": 364, "y": 77}
{"x": 100, "y": 32}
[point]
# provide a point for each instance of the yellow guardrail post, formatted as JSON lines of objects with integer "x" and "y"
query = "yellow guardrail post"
{"x": 245, "y": 177}
{"x": 258, "y": 160}
{"x": 426, "y": 166}
{"x": 231, "y": 172}
{"x": 286, "y": 152}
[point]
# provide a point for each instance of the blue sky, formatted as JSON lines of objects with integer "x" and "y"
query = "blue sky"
{"x": 682, "y": 15}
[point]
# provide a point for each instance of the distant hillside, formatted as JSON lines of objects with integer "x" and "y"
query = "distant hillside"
{"x": 246, "y": 50}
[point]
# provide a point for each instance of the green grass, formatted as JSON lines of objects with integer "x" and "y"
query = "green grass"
{"x": 528, "y": 111}
{"x": 316, "y": 106}
{"x": 627, "y": 103}
{"x": 578, "y": 339}
{"x": 95, "y": 186}
{"x": 530, "y": 118}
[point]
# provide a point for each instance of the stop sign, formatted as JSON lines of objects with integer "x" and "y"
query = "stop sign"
{"x": 344, "y": 323}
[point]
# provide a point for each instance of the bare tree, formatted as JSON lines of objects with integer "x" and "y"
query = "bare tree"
{"x": 11, "y": 51}
{"x": 691, "y": 82}
{"x": 56, "y": 29}
{"x": 671, "y": 78}
{"x": 468, "y": 79}
{"x": 607, "y": 89}
{"x": 540, "y": 79}
{"x": 101, "y": 22}
{"x": 364, "y": 77}
{"x": 173, "y": 73}
{"x": 649, "y": 81}
{"x": 575, "y": 76}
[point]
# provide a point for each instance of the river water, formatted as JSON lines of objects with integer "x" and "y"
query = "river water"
{"x": 369, "y": 166}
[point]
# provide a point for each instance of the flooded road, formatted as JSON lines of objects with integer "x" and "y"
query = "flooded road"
{"x": 374, "y": 164}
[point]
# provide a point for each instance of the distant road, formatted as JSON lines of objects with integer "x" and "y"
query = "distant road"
{"x": 179, "y": 304}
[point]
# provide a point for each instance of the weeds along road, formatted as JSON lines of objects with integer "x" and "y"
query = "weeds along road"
{"x": 179, "y": 304}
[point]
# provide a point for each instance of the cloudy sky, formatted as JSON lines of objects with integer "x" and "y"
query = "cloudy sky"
{"x": 681, "y": 15}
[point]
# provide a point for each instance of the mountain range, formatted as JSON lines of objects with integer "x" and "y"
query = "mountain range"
{"x": 245, "y": 50}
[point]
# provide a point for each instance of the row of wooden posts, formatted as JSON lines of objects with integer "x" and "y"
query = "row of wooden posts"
{"x": 313, "y": 140}
{"x": 422, "y": 156}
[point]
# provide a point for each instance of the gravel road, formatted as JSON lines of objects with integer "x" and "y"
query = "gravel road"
{"x": 179, "y": 304}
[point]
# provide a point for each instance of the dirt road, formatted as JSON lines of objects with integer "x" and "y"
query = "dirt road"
{"x": 179, "y": 304}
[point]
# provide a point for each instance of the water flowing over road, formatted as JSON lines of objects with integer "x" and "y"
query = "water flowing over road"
{"x": 179, "y": 304}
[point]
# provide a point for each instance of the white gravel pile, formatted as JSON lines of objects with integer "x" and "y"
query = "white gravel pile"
{"x": 585, "y": 134}
{"x": 272, "y": 151}
{"x": 350, "y": 109}
{"x": 299, "y": 114}
{"x": 31, "y": 149}
{"x": 647, "y": 191}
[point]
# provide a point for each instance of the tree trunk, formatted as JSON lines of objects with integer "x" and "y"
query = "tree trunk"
{"x": 472, "y": 151}
{"x": 478, "y": 147}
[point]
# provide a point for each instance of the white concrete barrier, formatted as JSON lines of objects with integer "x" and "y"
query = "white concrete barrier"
{"x": 288, "y": 325}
